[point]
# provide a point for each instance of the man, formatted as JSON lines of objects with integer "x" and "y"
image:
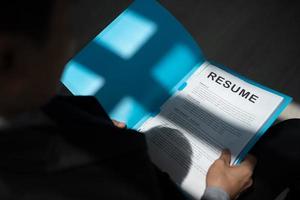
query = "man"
{"x": 67, "y": 147}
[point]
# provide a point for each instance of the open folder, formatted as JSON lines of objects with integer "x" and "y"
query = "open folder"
{"x": 147, "y": 71}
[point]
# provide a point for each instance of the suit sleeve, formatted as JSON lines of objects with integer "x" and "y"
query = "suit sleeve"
{"x": 215, "y": 193}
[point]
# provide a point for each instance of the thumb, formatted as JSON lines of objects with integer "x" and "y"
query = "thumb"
{"x": 226, "y": 156}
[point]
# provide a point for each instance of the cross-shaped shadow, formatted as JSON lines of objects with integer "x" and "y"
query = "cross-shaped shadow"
{"x": 134, "y": 77}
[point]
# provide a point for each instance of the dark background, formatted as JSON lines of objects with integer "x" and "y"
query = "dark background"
{"x": 259, "y": 39}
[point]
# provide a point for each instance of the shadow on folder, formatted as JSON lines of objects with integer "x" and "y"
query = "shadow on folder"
{"x": 132, "y": 65}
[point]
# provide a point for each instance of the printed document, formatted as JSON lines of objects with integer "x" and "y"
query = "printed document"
{"x": 215, "y": 110}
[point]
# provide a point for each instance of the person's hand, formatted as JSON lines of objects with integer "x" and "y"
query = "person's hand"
{"x": 119, "y": 124}
{"x": 232, "y": 179}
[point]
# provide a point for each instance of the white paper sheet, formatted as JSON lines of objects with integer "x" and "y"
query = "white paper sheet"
{"x": 187, "y": 136}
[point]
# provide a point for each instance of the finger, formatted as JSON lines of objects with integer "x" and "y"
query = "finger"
{"x": 119, "y": 124}
{"x": 249, "y": 162}
{"x": 226, "y": 156}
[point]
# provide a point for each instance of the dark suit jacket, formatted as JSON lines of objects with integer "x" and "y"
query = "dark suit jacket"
{"x": 82, "y": 155}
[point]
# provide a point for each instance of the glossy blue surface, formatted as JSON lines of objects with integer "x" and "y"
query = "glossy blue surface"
{"x": 141, "y": 56}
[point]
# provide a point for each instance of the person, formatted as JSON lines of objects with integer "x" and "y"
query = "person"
{"x": 66, "y": 147}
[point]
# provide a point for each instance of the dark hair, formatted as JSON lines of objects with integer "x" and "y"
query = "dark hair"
{"x": 27, "y": 17}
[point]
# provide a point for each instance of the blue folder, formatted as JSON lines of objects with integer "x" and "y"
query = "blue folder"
{"x": 138, "y": 61}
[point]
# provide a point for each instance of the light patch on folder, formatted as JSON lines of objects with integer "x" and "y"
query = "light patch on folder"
{"x": 127, "y": 34}
{"x": 82, "y": 81}
{"x": 128, "y": 110}
{"x": 180, "y": 59}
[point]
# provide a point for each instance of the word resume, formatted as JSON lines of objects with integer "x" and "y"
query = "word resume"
{"x": 215, "y": 110}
